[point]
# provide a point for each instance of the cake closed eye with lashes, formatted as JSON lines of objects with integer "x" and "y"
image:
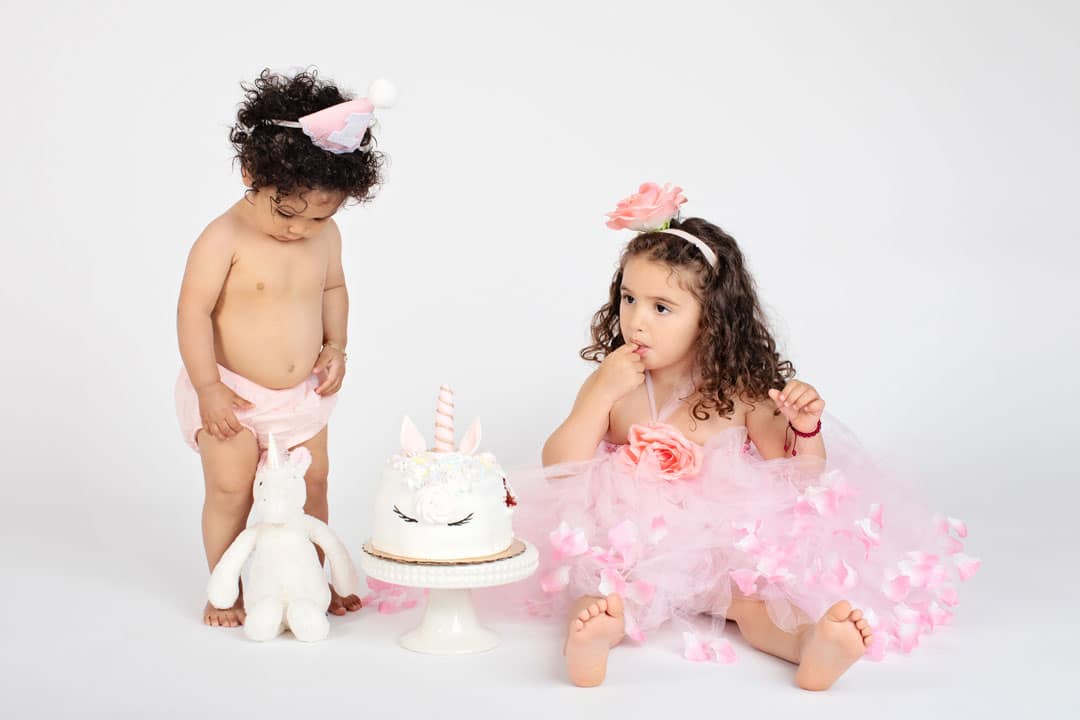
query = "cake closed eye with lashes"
{"x": 403, "y": 516}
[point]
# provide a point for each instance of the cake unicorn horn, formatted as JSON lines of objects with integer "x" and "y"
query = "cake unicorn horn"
{"x": 444, "y": 420}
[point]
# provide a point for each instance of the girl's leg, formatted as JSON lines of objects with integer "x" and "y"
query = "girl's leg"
{"x": 596, "y": 626}
{"x": 823, "y": 650}
{"x": 317, "y": 506}
{"x": 228, "y": 472}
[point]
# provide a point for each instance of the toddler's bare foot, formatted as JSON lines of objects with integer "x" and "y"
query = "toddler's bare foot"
{"x": 833, "y": 645}
{"x": 593, "y": 632}
{"x": 232, "y": 617}
{"x": 340, "y": 605}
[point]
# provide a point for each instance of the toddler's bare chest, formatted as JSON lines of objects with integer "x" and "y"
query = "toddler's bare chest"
{"x": 277, "y": 276}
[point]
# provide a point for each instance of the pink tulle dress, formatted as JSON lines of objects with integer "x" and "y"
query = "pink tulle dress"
{"x": 677, "y": 528}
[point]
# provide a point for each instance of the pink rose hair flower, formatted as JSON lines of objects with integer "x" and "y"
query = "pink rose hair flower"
{"x": 651, "y": 208}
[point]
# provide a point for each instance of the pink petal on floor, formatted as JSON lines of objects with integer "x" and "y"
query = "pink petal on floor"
{"x": 695, "y": 649}
{"x": 555, "y": 580}
{"x": 957, "y": 526}
{"x": 876, "y": 514}
{"x": 722, "y": 651}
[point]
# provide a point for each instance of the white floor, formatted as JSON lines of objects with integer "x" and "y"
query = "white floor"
{"x": 103, "y": 621}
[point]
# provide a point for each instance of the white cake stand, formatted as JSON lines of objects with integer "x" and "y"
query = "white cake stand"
{"x": 450, "y": 626}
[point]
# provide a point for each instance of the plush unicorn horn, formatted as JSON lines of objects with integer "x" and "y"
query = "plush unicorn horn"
{"x": 273, "y": 455}
{"x": 444, "y": 420}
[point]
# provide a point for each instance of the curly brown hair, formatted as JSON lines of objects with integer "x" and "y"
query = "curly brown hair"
{"x": 736, "y": 353}
{"x": 285, "y": 158}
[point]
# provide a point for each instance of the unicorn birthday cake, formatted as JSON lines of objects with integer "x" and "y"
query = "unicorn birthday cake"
{"x": 446, "y": 504}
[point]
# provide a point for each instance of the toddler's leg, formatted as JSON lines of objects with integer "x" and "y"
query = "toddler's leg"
{"x": 823, "y": 650}
{"x": 317, "y": 506}
{"x": 596, "y": 626}
{"x": 228, "y": 470}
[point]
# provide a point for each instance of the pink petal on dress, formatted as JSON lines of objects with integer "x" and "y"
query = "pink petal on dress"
{"x": 658, "y": 529}
{"x": 745, "y": 579}
{"x": 641, "y": 592}
{"x": 966, "y": 566}
{"x": 611, "y": 581}
{"x": 567, "y": 542}
{"x": 633, "y": 630}
{"x": 897, "y": 588}
{"x": 876, "y": 515}
{"x": 949, "y": 596}
{"x": 957, "y": 526}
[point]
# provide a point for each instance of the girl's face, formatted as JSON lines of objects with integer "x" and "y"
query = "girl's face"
{"x": 295, "y": 217}
{"x": 657, "y": 313}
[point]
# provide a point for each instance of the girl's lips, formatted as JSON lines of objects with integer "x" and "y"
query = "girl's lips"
{"x": 641, "y": 349}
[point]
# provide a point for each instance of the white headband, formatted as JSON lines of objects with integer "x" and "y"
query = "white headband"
{"x": 707, "y": 251}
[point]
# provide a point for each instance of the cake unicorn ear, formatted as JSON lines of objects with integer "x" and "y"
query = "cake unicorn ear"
{"x": 471, "y": 442}
{"x": 444, "y": 420}
{"x": 412, "y": 442}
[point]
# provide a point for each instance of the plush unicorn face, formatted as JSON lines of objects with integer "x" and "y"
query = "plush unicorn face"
{"x": 280, "y": 491}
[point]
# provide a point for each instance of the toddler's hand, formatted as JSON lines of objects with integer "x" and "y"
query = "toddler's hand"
{"x": 621, "y": 372}
{"x": 800, "y": 404}
{"x": 331, "y": 363}
{"x": 216, "y": 403}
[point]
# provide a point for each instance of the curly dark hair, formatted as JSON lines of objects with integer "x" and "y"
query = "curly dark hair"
{"x": 736, "y": 353}
{"x": 285, "y": 158}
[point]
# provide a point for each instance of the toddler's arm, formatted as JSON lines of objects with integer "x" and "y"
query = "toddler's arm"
{"x": 621, "y": 372}
{"x": 335, "y": 316}
{"x": 208, "y": 265}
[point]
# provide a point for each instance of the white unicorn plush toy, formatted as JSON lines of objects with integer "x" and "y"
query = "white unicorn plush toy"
{"x": 286, "y": 587}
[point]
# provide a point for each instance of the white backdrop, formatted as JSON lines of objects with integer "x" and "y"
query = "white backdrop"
{"x": 903, "y": 178}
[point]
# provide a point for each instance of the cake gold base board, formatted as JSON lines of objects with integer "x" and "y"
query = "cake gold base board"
{"x": 516, "y": 548}
{"x": 450, "y": 625}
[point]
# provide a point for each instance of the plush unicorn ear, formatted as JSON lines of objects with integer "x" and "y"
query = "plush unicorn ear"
{"x": 300, "y": 458}
{"x": 471, "y": 442}
{"x": 412, "y": 442}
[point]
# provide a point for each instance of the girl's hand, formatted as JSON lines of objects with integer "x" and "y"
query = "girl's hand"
{"x": 331, "y": 363}
{"x": 216, "y": 403}
{"x": 800, "y": 404}
{"x": 621, "y": 372}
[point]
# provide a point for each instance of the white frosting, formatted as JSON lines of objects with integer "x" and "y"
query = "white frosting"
{"x": 442, "y": 506}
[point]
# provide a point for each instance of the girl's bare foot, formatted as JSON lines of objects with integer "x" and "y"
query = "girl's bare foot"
{"x": 593, "y": 632}
{"x": 831, "y": 646}
{"x": 340, "y": 605}
{"x": 232, "y": 617}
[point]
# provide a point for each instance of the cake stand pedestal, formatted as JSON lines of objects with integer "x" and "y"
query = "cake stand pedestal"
{"x": 450, "y": 626}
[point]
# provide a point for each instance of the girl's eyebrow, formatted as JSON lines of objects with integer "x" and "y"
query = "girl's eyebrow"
{"x": 660, "y": 298}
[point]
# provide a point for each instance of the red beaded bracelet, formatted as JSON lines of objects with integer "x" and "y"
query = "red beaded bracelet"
{"x": 799, "y": 434}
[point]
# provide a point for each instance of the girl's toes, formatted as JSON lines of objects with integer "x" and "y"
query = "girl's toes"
{"x": 578, "y": 625}
{"x": 601, "y": 605}
{"x": 593, "y": 610}
{"x": 856, "y": 615}
{"x": 584, "y": 616}
{"x": 861, "y": 624}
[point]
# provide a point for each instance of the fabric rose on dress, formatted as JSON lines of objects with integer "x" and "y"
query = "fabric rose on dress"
{"x": 651, "y": 208}
{"x": 667, "y": 454}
